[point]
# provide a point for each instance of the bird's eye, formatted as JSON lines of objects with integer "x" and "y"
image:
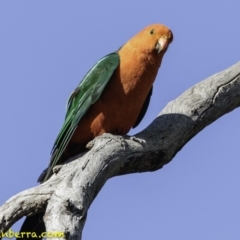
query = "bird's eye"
{"x": 152, "y": 31}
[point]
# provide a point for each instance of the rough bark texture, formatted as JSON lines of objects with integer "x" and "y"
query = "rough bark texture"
{"x": 67, "y": 196}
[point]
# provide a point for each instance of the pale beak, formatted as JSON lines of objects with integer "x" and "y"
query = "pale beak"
{"x": 162, "y": 44}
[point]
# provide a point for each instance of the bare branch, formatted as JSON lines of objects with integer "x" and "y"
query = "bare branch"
{"x": 71, "y": 191}
{"x": 26, "y": 203}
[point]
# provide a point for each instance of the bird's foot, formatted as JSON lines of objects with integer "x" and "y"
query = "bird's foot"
{"x": 138, "y": 140}
{"x": 90, "y": 144}
{"x": 117, "y": 138}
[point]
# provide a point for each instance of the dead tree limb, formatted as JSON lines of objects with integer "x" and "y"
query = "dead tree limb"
{"x": 67, "y": 195}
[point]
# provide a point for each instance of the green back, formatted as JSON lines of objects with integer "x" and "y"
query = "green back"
{"x": 87, "y": 93}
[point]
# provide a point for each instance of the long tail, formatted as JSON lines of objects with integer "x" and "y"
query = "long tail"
{"x": 33, "y": 225}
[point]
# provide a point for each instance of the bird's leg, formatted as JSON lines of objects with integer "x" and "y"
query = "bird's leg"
{"x": 90, "y": 144}
{"x": 138, "y": 140}
{"x": 122, "y": 139}
{"x": 117, "y": 138}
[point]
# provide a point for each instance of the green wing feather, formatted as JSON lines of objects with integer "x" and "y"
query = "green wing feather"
{"x": 87, "y": 93}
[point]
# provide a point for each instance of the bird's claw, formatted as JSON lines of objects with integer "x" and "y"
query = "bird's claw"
{"x": 138, "y": 140}
{"x": 90, "y": 144}
{"x": 117, "y": 138}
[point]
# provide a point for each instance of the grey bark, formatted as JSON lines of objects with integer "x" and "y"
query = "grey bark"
{"x": 68, "y": 194}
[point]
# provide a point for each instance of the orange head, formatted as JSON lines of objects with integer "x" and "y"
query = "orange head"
{"x": 154, "y": 38}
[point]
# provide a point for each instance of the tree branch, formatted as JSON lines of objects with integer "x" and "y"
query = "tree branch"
{"x": 71, "y": 191}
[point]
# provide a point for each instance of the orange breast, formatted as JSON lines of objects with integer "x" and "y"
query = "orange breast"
{"x": 118, "y": 108}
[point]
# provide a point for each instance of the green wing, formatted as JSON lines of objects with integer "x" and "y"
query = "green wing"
{"x": 87, "y": 93}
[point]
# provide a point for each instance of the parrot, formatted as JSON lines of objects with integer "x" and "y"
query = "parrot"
{"x": 113, "y": 97}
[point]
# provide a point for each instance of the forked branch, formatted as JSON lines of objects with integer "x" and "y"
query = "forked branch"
{"x": 67, "y": 196}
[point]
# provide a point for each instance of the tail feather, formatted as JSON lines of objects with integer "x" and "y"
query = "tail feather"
{"x": 42, "y": 176}
{"x": 33, "y": 225}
